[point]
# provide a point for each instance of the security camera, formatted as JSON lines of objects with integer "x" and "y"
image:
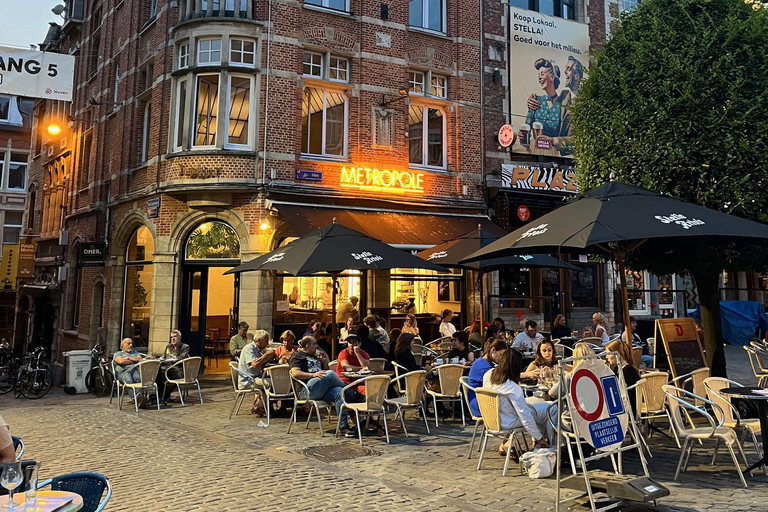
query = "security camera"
{"x": 57, "y": 10}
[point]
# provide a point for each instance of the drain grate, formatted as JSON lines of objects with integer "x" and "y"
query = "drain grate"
{"x": 338, "y": 452}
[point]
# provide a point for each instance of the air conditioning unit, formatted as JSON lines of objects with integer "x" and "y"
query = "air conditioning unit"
{"x": 64, "y": 237}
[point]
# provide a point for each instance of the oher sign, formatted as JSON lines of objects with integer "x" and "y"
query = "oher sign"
{"x": 36, "y": 74}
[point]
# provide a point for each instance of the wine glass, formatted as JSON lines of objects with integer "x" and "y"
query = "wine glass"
{"x": 11, "y": 478}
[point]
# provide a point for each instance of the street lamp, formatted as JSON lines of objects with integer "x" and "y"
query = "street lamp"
{"x": 54, "y": 129}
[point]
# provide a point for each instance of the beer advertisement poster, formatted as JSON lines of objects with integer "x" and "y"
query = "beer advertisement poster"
{"x": 548, "y": 59}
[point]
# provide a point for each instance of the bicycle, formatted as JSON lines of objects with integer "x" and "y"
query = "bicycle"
{"x": 32, "y": 379}
{"x": 99, "y": 379}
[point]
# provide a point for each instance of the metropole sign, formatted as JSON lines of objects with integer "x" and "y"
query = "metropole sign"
{"x": 36, "y": 74}
{"x": 379, "y": 179}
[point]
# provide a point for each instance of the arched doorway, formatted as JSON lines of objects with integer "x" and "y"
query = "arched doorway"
{"x": 209, "y": 299}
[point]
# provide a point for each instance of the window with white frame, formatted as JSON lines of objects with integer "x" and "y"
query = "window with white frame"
{"x": 145, "y": 125}
{"x": 183, "y": 55}
{"x": 17, "y": 172}
{"x": 313, "y": 64}
{"x": 240, "y": 94}
{"x": 242, "y": 52}
{"x": 208, "y": 51}
{"x": 206, "y": 110}
{"x": 323, "y": 123}
{"x": 428, "y": 14}
{"x": 5, "y": 108}
{"x": 560, "y": 8}
{"x": 152, "y": 8}
{"x": 338, "y": 69}
{"x": 426, "y": 137}
{"x": 181, "y": 111}
{"x": 12, "y": 227}
{"x": 427, "y": 83}
{"x": 336, "y": 5}
{"x": 638, "y": 293}
{"x": 326, "y": 66}
{"x": 626, "y": 5}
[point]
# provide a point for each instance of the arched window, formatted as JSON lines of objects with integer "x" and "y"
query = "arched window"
{"x": 213, "y": 240}
{"x": 137, "y": 301}
{"x": 31, "y": 213}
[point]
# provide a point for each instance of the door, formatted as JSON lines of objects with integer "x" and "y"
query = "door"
{"x": 194, "y": 302}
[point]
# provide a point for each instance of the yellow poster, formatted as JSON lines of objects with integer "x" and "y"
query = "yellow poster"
{"x": 8, "y": 266}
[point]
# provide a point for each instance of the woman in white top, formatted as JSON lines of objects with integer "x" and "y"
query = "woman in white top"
{"x": 515, "y": 412}
{"x": 446, "y": 327}
{"x": 601, "y": 328}
{"x": 346, "y": 329}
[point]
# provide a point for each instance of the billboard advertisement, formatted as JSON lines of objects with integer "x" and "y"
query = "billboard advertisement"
{"x": 547, "y": 58}
{"x": 36, "y": 74}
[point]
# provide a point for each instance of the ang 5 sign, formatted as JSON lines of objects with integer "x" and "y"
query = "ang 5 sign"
{"x": 36, "y": 74}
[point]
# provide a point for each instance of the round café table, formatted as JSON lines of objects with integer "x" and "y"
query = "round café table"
{"x": 18, "y": 499}
{"x": 754, "y": 393}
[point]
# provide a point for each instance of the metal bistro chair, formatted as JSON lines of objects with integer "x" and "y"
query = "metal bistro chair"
{"x": 116, "y": 383}
{"x": 488, "y": 401}
{"x": 596, "y": 344}
{"x": 450, "y": 388}
{"x": 413, "y": 396}
{"x": 332, "y": 365}
{"x": 235, "y": 373}
{"x": 277, "y": 386}
{"x": 315, "y": 405}
{"x": 760, "y": 375}
{"x": 478, "y": 419}
{"x": 375, "y": 392}
{"x": 562, "y": 351}
{"x": 148, "y": 371}
{"x": 652, "y": 401}
{"x": 90, "y": 486}
{"x": 696, "y": 379}
{"x": 679, "y": 400}
{"x": 18, "y": 447}
{"x": 377, "y": 364}
{"x": 190, "y": 367}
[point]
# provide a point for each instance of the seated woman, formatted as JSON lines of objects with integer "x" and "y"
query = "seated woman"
{"x": 352, "y": 359}
{"x": 288, "y": 347}
{"x": 515, "y": 412}
{"x": 322, "y": 338}
{"x": 545, "y": 358}
{"x": 560, "y": 329}
{"x": 403, "y": 355}
{"x": 493, "y": 351}
{"x": 631, "y": 376}
{"x": 474, "y": 335}
{"x": 601, "y": 328}
{"x": 560, "y": 389}
{"x": 348, "y": 326}
{"x": 410, "y": 326}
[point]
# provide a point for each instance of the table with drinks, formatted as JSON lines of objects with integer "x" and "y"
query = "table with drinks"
{"x": 21, "y": 481}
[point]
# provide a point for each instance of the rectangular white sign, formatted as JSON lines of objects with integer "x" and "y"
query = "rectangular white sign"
{"x": 547, "y": 58}
{"x": 36, "y": 74}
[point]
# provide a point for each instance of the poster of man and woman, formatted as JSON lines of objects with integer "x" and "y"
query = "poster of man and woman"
{"x": 548, "y": 57}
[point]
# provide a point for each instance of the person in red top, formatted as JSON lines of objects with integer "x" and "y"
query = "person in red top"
{"x": 352, "y": 359}
{"x": 288, "y": 348}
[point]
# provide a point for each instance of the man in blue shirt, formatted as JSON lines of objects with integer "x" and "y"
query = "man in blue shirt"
{"x": 125, "y": 358}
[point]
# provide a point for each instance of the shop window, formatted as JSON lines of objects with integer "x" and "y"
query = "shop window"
{"x": 17, "y": 172}
{"x": 561, "y": 8}
{"x": 242, "y": 52}
{"x": 208, "y": 52}
{"x": 207, "y": 109}
{"x": 138, "y": 293}
{"x": 428, "y": 14}
{"x": 240, "y": 87}
{"x": 637, "y": 294}
{"x": 183, "y": 55}
{"x": 323, "y": 123}
{"x": 426, "y": 83}
{"x": 585, "y": 286}
{"x": 12, "y": 227}
{"x": 5, "y": 108}
{"x": 336, "y": 5}
{"x": 213, "y": 240}
{"x": 426, "y": 140}
{"x": 429, "y": 291}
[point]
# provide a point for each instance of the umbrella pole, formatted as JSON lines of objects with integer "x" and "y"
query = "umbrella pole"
{"x": 482, "y": 300}
{"x": 335, "y": 277}
{"x": 625, "y": 301}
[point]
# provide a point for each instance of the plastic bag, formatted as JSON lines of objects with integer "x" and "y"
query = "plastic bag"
{"x": 540, "y": 462}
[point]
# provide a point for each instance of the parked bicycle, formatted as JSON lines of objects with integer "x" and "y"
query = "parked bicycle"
{"x": 99, "y": 379}
{"x": 32, "y": 378}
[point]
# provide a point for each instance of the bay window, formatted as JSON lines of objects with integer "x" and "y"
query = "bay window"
{"x": 242, "y": 52}
{"x": 240, "y": 88}
{"x": 183, "y": 55}
{"x": 206, "y": 110}
{"x": 208, "y": 51}
{"x": 181, "y": 111}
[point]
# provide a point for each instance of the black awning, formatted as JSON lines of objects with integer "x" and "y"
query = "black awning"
{"x": 408, "y": 230}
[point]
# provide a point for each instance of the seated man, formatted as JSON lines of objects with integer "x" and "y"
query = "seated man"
{"x": 460, "y": 349}
{"x": 7, "y": 452}
{"x": 174, "y": 350}
{"x": 637, "y": 341}
{"x": 311, "y": 367}
{"x": 125, "y": 358}
{"x": 239, "y": 340}
{"x": 348, "y": 309}
{"x": 253, "y": 358}
{"x": 528, "y": 339}
{"x": 352, "y": 359}
{"x": 288, "y": 347}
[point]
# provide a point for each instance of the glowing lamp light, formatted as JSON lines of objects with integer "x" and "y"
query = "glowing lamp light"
{"x": 54, "y": 129}
{"x": 264, "y": 226}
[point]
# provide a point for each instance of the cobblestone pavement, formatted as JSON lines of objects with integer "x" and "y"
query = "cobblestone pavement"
{"x": 194, "y": 458}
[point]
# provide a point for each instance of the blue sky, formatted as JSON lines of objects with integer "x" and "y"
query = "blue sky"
{"x": 25, "y": 22}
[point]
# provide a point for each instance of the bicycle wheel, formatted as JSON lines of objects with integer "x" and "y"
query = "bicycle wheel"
{"x": 99, "y": 384}
{"x": 7, "y": 379}
{"x": 35, "y": 384}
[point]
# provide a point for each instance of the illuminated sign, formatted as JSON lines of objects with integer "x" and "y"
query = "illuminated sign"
{"x": 562, "y": 179}
{"x": 382, "y": 180}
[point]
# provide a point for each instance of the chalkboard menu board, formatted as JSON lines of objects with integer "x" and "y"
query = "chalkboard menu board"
{"x": 677, "y": 346}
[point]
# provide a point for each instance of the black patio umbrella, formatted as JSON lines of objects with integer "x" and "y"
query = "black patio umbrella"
{"x": 616, "y": 219}
{"x": 333, "y": 249}
{"x": 451, "y": 252}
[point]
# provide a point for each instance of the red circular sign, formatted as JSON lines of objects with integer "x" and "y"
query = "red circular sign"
{"x": 506, "y": 135}
{"x": 523, "y": 213}
{"x": 586, "y": 374}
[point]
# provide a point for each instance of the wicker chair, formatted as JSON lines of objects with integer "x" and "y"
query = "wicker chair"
{"x": 18, "y": 447}
{"x": 116, "y": 383}
{"x": 332, "y": 365}
{"x": 315, "y": 405}
{"x": 596, "y": 344}
{"x": 413, "y": 395}
{"x": 90, "y": 486}
{"x": 377, "y": 364}
{"x": 375, "y": 392}
{"x": 652, "y": 401}
{"x": 277, "y": 386}
{"x": 148, "y": 371}
{"x": 755, "y": 362}
{"x": 190, "y": 367}
{"x": 235, "y": 373}
{"x": 478, "y": 419}
{"x": 696, "y": 379}
{"x": 488, "y": 401}
{"x": 450, "y": 388}
{"x": 637, "y": 356}
{"x": 680, "y": 400}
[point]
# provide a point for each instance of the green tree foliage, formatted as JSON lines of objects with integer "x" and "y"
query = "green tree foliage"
{"x": 677, "y": 101}
{"x": 216, "y": 240}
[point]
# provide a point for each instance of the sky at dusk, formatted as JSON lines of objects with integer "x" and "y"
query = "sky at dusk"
{"x": 26, "y": 22}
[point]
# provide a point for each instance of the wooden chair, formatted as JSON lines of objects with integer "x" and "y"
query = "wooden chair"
{"x": 478, "y": 419}
{"x": 488, "y": 401}
{"x": 277, "y": 386}
{"x": 412, "y": 396}
{"x": 298, "y": 388}
{"x": 375, "y": 392}
{"x": 378, "y": 363}
{"x": 450, "y": 388}
{"x": 190, "y": 367}
{"x": 148, "y": 371}
{"x": 679, "y": 400}
{"x": 235, "y": 373}
{"x": 210, "y": 350}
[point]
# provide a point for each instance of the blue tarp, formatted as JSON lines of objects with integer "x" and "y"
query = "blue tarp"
{"x": 740, "y": 320}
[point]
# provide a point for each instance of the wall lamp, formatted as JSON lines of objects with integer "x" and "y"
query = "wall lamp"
{"x": 403, "y": 94}
{"x": 96, "y": 103}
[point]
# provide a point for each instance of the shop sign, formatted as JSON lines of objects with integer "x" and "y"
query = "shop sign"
{"x": 382, "y": 180}
{"x": 153, "y": 208}
{"x": 523, "y": 212}
{"x": 309, "y": 175}
{"x": 9, "y": 266}
{"x": 26, "y": 259}
{"x": 529, "y": 177}
{"x": 506, "y": 135}
{"x": 92, "y": 254}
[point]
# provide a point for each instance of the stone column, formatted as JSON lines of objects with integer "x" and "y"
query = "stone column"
{"x": 165, "y": 272}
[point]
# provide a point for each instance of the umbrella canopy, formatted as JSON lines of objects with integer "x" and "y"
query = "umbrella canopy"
{"x": 450, "y": 253}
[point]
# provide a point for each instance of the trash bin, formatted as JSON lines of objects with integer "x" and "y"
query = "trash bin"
{"x": 78, "y": 365}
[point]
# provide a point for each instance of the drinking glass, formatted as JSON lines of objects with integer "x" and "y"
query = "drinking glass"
{"x": 31, "y": 474}
{"x": 11, "y": 478}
